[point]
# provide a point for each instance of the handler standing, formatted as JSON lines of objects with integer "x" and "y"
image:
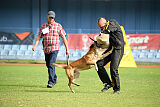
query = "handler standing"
{"x": 51, "y": 33}
{"x": 116, "y": 40}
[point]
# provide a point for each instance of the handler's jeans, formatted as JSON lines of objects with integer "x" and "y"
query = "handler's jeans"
{"x": 50, "y": 59}
{"x": 115, "y": 58}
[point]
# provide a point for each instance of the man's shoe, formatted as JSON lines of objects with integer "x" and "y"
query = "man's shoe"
{"x": 49, "y": 86}
{"x": 106, "y": 87}
{"x": 116, "y": 92}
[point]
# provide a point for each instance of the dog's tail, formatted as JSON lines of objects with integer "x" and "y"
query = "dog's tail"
{"x": 60, "y": 65}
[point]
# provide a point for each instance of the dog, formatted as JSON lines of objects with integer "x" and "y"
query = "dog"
{"x": 88, "y": 61}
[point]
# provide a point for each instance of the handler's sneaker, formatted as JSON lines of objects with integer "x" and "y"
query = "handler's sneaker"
{"x": 106, "y": 87}
{"x": 49, "y": 86}
{"x": 116, "y": 92}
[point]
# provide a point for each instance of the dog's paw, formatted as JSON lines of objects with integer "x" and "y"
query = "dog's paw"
{"x": 73, "y": 91}
{"x": 76, "y": 84}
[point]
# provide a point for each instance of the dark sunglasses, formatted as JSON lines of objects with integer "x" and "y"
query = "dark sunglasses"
{"x": 51, "y": 17}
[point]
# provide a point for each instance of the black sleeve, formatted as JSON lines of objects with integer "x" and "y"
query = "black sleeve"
{"x": 112, "y": 26}
{"x": 110, "y": 47}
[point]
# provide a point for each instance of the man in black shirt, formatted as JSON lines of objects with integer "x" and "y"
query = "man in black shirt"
{"x": 116, "y": 40}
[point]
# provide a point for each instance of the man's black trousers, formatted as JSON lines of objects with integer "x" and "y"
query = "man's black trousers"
{"x": 115, "y": 58}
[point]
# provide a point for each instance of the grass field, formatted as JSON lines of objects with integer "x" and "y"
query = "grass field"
{"x": 25, "y": 86}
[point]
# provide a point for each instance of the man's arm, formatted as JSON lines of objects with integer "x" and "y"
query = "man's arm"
{"x": 65, "y": 44}
{"x": 36, "y": 43}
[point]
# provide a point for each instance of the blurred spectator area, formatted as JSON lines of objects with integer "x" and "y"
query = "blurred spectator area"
{"x": 24, "y": 52}
{"x": 77, "y": 16}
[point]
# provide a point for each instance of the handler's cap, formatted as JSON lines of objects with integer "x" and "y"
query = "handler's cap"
{"x": 51, "y": 14}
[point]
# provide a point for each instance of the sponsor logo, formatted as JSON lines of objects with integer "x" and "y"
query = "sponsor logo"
{"x": 137, "y": 39}
{"x": 5, "y": 39}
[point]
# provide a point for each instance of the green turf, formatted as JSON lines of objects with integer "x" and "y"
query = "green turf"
{"x": 25, "y": 86}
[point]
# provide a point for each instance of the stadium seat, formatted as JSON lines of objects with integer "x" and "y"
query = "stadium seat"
{"x": 30, "y": 47}
{"x": 83, "y": 53}
{"x": 62, "y": 47}
{"x": 20, "y": 53}
{"x": 4, "y": 52}
{"x": 39, "y": 47}
{"x": 135, "y": 55}
{"x": 23, "y": 47}
{"x": 12, "y": 53}
{"x": 75, "y": 53}
{"x": 41, "y": 53}
{"x": 15, "y": 47}
{"x": 7, "y": 47}
{"x": 145, "y": 51}
{"x": 151, "y": 55}
{"x": 1, "y": 47}
{"x": 136, "y": 51}
{"x": 143, "y": 55}
{"x": 153, "y": 51}
{"x": 28, "y": 53}
{"x": 61, "y": 54}
{"x": 158, "y": 56}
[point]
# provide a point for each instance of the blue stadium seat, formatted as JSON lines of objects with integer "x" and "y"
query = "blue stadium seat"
{"x": 23, "y": 47}
{"x": 15, "y": 47}
{"x": 39, "y": 47}
{"x": 61, "y": 54}
{"x": 7, "y": 47}
{"x": 151, "y": 55}
{"x": 4, "y": 52}
{"x": 135, "y": 55}
{"x": 30, "y": 47}
{"x": 153, "y": 51}
{"x": 143, "y": 55}
{"x": 28, "y": 53}
{"x": 20, "y": 53}
{"x": 83, "y": 53}
{"x": 38, "y": 53}
{"x": 75, "y": 54}
{"x": 41, "y": 53}
{"x": 158, "y": 55}
{"x": 62, "y": 47}
{"x": 1, "y": 47}
{"x": 145, "y": 51}
{"x": 136, "y": 51}
{"x": 12, "y": 53}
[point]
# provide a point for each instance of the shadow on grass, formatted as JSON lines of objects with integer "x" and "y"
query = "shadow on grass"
{"x": 50, "y": 91}
{"x": 20, "y": 85}
{"x": 44, "y": 89}
{"x": 63, "y": 91}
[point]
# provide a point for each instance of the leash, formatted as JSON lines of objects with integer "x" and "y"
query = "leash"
{"x": 67, "y": 59}
{"x": 92, "y": 39}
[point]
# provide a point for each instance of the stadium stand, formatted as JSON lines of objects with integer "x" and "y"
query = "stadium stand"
{"x": 23, "y": 47}
{"x": 158, "y": 56}
{"x": 15, "y": 47}
{"x": 20, "y": 53}
{"x": 25, "y": 52}
{"x": 7, "y": 47}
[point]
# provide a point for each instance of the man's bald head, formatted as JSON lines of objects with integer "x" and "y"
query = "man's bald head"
{"x": 101, "y": 22}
